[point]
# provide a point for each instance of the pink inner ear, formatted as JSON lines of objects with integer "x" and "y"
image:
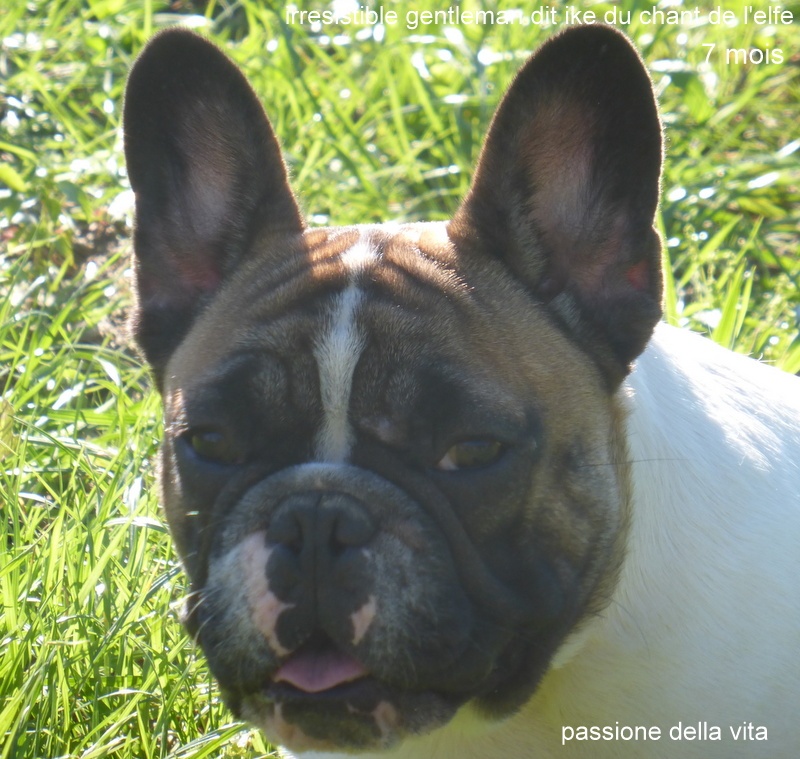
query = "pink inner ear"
{"x": 197, "y": 272}
{"x": 639, "y": 276}
{"x": 178, "y": 281}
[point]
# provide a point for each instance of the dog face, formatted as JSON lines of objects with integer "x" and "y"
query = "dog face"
{"x": 393, "y": 464}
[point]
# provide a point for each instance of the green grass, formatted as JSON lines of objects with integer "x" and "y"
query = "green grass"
{"x": 93, "y": 661}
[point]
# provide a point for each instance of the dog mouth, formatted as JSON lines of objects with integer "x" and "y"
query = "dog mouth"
{"x": 322, "y": 698}
{"x": 319, "y": 668}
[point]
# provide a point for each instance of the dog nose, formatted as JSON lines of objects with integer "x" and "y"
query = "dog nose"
{"x": 318, "y": 564}
{"x": 318, "y": 528}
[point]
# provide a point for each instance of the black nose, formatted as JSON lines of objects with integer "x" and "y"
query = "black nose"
{"x": 318, "y": 563}
{"x": 317, "y": 529}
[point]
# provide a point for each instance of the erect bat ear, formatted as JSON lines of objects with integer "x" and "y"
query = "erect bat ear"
{"x": 208, "y": 177}
{"x": 566, "y": 190}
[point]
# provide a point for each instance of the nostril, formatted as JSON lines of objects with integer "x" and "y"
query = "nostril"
{"x": 320, "y": 524}
{"x": 286, "y": 532}
{"x": 292, "y": 522}
{"x": 351, "y": 530}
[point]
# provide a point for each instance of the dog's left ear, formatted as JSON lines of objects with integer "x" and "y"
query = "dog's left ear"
{"x": 566, "y": 190}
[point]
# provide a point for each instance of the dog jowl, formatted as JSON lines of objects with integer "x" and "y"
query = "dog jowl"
{"x": 396, "y": 457}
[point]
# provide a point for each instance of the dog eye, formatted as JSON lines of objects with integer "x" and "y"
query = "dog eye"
{"x": 213, "y": 446}
{"x": 471, "y": 454}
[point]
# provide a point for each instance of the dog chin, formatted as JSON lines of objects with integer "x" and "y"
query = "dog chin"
{"x": 361, "y": 715}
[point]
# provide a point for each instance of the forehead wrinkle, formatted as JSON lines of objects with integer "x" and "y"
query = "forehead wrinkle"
{"x": 427, "y": 259}
{"x": 287, "y": 268}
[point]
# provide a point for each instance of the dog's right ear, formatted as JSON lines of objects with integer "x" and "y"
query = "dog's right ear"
{"x": 208, "y": 177}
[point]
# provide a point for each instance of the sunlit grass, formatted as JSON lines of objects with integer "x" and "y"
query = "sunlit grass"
{"x": 93, "y": 661}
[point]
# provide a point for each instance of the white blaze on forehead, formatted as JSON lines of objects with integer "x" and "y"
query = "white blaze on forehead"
{"x": 337, "y": 353}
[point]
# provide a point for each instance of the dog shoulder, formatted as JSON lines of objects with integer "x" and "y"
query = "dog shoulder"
{"x": 714, "y": 443}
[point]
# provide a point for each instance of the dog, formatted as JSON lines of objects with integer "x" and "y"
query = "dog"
{"x": 450, "y": 489}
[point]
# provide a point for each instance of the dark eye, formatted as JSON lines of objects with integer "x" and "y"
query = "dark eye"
{"x": 471, "y": 454}
{"x": 213, "y": 446}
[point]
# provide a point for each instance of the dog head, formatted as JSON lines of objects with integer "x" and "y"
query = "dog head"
{"x": 393, "y": 464}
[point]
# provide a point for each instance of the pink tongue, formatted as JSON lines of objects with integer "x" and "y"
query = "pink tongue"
{"x": 314, "y": 672}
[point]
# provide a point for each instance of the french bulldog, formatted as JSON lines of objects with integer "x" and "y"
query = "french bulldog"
{"x": 449, "y": 489}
